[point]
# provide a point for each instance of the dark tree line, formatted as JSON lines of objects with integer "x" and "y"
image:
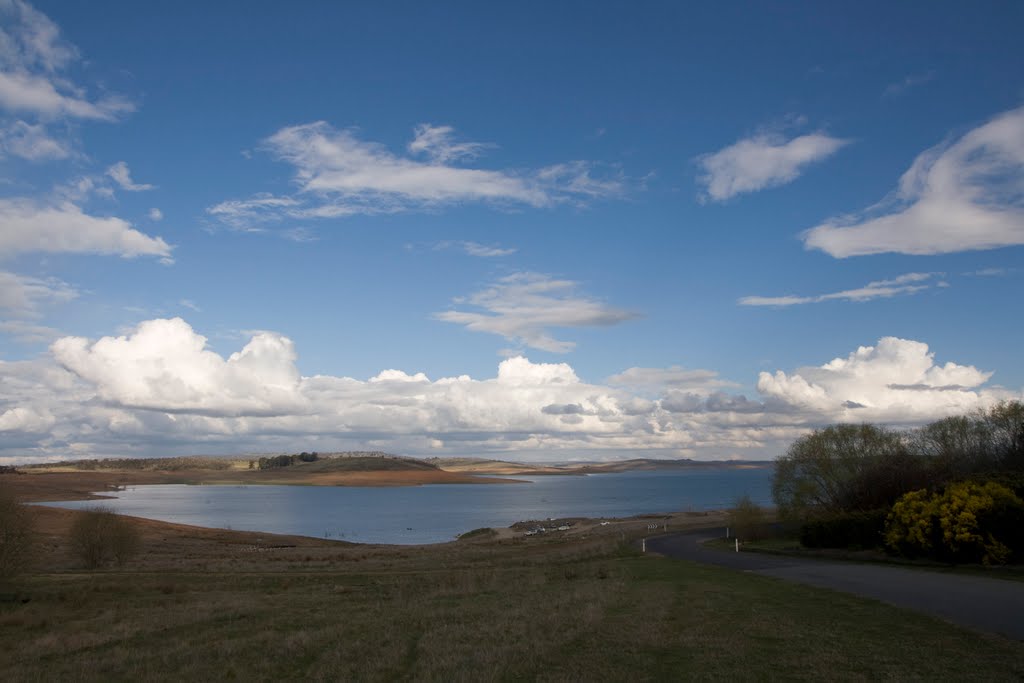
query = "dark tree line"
{"x": 286, "y": 460}
{"x": 840, "y": 483}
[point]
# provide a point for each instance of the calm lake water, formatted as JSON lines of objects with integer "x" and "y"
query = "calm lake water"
{"x": 440, "y": 512}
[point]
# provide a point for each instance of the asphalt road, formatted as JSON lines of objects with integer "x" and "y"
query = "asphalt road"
{"x": 991, "y": 605}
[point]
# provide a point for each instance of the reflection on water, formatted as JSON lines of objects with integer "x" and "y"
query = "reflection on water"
{"x": 436, "y": 513}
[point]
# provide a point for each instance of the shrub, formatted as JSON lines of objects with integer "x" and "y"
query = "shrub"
{"x": 859, "y": 530}
{"x": 967, "y": 522}
{"x": 747, "y": 520}
{"x": 100, "y": 536}
{"x": 15, "y": 536}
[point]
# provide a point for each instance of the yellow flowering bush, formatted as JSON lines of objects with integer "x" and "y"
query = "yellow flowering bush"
{"x": 967, "y": 522}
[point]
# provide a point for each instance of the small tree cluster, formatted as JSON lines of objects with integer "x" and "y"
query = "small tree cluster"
{"x": 966, "y": 522}
{"x": 99, "y": 536}
{"x": 286, "y": 460}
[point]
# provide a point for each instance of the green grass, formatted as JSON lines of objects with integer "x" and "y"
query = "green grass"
{"x": 553, "y": 613}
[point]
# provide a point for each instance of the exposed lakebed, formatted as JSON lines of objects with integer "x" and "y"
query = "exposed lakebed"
{"x": 436, "y": 513}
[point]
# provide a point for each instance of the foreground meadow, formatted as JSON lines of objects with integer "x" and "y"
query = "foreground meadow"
{"x": 206, "y": 604}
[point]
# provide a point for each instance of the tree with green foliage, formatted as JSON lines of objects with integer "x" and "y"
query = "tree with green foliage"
{"x": 843, "y": 468}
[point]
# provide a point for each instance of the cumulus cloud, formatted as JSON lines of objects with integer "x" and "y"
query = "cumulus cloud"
{"x": 36, "y": 226}
{"x": 908, "y": 283}
{"x": 123, "y": 177}
{"x": 339, "y": 174}
{"x": 155, "y": 214}
{"x": 762, "y": 161}
{"x": 959, "y": 196}
{"x": 895, "y": 380}
{"x": 164, "y": 365}
{"x": 523, "y": 307}
{"x": 161, "y": 389}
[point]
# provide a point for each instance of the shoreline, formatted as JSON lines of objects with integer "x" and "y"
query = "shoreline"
{"x": 69, "y": 485}
{"x": 38, "y": 489}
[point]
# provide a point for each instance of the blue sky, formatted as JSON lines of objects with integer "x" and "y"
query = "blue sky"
{"x": 587, "y": 230}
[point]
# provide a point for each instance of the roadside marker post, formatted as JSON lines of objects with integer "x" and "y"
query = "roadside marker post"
{"x": 643, "y": 545}
{"x": 737, "y": 545}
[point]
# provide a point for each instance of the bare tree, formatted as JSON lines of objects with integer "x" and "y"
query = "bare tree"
{"x": 100, "y": 536}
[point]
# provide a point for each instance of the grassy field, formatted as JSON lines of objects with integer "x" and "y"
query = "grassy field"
{"x": 583, "y": 605}
{"x": 572, "y": 608}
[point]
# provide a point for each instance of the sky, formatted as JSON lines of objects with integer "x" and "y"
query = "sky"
{"x": 531, "y": 231}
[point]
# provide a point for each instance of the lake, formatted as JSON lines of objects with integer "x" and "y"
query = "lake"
{"x": 439, "y": 512}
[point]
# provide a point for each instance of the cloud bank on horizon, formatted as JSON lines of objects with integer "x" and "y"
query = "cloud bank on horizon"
{"x": 637, "y": 260}
{"x": 161, "y": 382}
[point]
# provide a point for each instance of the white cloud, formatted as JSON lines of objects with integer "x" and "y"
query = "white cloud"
{"x": 156, "y": 214}
{"x": 475, "y": 248}
{"x": 909, "y": 283}
{"x": 32, "y": 142}
{"x": 28, "y": 331}
{"x": 32, "y": 54}
{"x": 963, "y": 196}
{"x": 123, "y": 177}
{"x": 675, "y": 377}
{"x": 28, "y": 93}
{"x": 160, "y": 389}
{"x": 896, "y": 380}
{"x": 29, "y": 39}
{"x": 22, "y": 296}
{"x": 189, "y": 304}
{"x": 338, "y": 174}
{"x": 301, "y": 235}
{"x": 912, "y": 81}
{"x": 245, "y": 214}
{"x": 761, "y": 162}
{"x": 438, "y": 144}
{"x": 164, "y": 365}
{"x": 523, "y": 307}
{"x": 33, "y": 226}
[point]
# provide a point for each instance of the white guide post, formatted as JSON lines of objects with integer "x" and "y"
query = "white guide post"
{"x": 737, "y": 545}
{"x": 643, "y": 545}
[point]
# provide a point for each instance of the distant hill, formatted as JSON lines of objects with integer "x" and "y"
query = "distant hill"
{"x": 484, "y": 466}
{"x": 357, "y": 463}
{"x": 192, "y": 462}
{"x": 374, "y": 461}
